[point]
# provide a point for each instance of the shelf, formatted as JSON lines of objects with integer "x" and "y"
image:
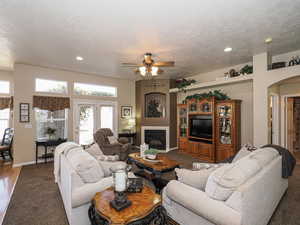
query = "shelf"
{"x": 216, "y": 83}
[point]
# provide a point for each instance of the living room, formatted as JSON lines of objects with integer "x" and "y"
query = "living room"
{"x": 183, "y": 99}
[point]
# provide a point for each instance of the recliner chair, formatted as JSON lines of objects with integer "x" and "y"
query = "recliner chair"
{"x": 122, "y": 148}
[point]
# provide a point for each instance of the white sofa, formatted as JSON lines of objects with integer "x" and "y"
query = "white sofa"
{"x": 251, "y": 203}
{"x": 77, "y": 194}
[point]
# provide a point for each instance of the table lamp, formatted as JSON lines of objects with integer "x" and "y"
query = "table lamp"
{"x": 120, "y": 179}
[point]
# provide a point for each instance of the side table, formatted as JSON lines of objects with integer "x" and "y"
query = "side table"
{"x": 146, "y": 209}
{"x": 46, "y": 143}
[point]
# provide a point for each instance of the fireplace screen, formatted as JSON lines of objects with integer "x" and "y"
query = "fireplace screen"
{"x": 155, "y": 105}
{"x": 156, "y": 139}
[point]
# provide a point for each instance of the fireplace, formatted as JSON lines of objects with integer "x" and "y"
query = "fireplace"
{"x": 156, "y": 137}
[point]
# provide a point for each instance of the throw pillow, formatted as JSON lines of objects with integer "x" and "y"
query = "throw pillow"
{"x": 110, "y": 158}
{"x": 241, "y": 154}
{"x": 112, "y": 140}
{"x": 85, "y": 166}
{"x": 94, "y": 150}
{"x": 196, "y": 179}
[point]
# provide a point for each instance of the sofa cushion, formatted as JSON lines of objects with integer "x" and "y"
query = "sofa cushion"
{"x": 264, "y": 156}
{"x": 196, "y": 179}
{"x": 85, "y": 166}
{"x": 225, "y": 180}
{"x": 94, "y": 150}
{"x": 216, "y": 212}
{"x": 241, "y": 154}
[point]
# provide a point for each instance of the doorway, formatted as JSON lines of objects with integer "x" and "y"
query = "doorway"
{"x": 293, "y": 125}
{"x": 89, "y": 116}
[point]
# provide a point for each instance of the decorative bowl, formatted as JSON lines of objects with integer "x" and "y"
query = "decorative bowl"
{"x": 150, "y": 156}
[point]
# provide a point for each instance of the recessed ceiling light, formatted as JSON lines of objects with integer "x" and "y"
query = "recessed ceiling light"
{"x": 228, "y": 49}
{"x": 79, "y": 58}
{"x": 268, "y": 40}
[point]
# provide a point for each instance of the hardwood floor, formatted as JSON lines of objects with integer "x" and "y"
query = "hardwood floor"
{"x": 8, "y": 179}
{"x": 297, "y": 156}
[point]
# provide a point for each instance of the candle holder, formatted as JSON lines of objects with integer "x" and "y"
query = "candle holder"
{"x": 120, "y": 178}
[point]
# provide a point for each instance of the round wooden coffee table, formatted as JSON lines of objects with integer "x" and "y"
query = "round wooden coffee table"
{"x": 145, "y": 209}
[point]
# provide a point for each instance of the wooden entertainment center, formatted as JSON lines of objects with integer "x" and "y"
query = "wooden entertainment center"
{"x": 209, "y": 129}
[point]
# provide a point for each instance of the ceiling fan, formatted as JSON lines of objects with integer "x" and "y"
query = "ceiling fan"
{"x": 149, "y": 66}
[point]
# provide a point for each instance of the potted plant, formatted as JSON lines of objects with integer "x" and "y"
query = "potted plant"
{"x": 50, "y": 132}
{"x": 151, "y": 153}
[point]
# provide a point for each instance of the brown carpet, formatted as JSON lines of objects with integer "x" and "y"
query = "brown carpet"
{"x": 37, "y": 201}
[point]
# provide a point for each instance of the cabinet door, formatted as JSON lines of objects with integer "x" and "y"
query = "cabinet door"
{"x": 224, "y": 123}
{"x": 204, "y": 149}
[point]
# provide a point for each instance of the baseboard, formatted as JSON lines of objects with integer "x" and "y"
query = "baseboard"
{"x": 30, "y": 163}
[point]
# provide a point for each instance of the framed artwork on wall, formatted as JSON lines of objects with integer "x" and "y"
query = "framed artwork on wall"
{"x": 126, "y": 112}
{"x": 24, "y": 113}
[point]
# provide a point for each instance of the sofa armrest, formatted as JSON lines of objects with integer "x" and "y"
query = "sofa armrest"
{"x": 201, "y": 204}
{"x": 85, "y": 193}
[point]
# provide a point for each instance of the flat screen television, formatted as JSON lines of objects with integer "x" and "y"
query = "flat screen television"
{"x": 201, "y": 126}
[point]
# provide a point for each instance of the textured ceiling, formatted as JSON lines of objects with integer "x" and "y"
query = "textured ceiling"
{"x": 106, "y": 33}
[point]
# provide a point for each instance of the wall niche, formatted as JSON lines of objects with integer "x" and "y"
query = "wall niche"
{"x": 155, "y": 105}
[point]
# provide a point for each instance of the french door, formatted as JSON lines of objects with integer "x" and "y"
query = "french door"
{"x": 89, "y": 116}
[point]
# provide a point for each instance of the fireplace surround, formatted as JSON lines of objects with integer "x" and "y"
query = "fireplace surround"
{"x": 156, "y": 137}
{"x": 156, "y": 107}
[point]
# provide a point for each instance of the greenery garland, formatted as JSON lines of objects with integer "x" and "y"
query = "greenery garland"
{"x": 218, "y": 94}
{"x": 181, "y": 84}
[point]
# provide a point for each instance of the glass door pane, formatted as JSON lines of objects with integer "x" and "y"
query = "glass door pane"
{"x": 106, "y": 117}
{"x": 86, "y": 124}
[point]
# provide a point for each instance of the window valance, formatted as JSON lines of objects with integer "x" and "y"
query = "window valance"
{"x": 6, "y": 102}
{"x": 51, "y": 103}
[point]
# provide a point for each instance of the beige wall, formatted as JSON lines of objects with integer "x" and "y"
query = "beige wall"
{"x": 242, "y": 91}
{"x": 263, "y": 79}
{"x": 290, "y": 89}
{"x": 24, "y": 82}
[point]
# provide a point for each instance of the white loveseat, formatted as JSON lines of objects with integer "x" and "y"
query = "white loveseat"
{"x": 75, "y": 192}
{"x": 251, "y": 203}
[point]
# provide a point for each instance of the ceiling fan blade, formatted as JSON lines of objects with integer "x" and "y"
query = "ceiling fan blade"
{"x": 164, "y": 64}
{"x": 130, "y": 64}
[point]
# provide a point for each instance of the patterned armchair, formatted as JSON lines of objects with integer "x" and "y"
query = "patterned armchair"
{"x": 122, "y": 148}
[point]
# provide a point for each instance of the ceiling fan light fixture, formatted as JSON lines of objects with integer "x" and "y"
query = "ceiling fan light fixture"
{"x": 154, "y": 70}
{"x": 143, "y": 70}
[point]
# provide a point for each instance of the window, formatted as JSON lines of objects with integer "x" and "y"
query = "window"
{"x": 94, "y": 90}
{"x": 4, "y": 87}
{"x": 4, "y": 121}
{"x": 56, "y": 120}
{"x": 52, "y": 86}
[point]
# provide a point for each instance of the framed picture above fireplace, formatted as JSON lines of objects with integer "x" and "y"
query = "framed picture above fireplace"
{"x": 155, "y": 105}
